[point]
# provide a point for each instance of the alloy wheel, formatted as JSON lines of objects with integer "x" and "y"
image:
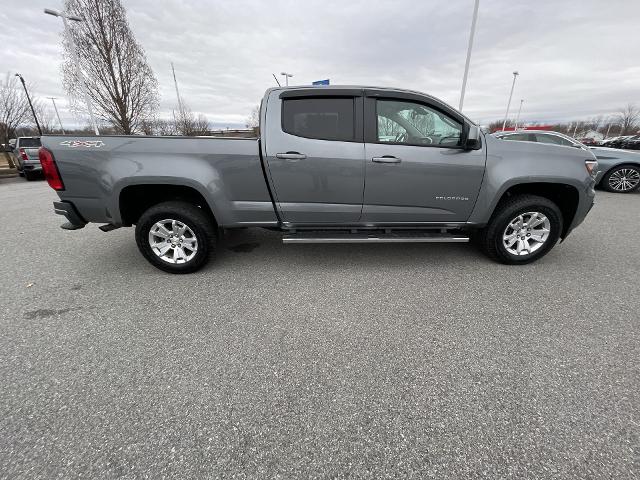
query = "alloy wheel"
{"x": 624, "y": 179}
{"x": 526, "y": 233}
{"x": 173, "y": 241}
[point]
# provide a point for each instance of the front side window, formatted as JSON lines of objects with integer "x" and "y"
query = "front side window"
{"x": 416, "y": 124}
{"x": 553, "y": 139}
{"x": 319, "y": 118}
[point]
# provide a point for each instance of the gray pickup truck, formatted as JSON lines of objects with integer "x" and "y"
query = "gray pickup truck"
{"x": 331, "y": 165}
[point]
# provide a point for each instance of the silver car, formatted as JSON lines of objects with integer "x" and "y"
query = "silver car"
{"x": 25, "y": 155}
{"x": 619, "y": 170}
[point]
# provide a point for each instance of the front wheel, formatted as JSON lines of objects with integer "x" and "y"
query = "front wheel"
{"x": 522, "y": 230}
{"x": 176, "y": 237}
{"x": 622, "y": 179}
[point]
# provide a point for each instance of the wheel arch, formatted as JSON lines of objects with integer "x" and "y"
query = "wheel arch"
{"x": 564, "y": 195}
{"x": 134, "y": 199}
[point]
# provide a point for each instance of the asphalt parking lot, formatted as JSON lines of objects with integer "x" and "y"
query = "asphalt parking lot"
{"x": 320, "y": 361}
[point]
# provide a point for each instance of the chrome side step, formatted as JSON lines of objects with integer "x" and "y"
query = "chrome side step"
{"x": 343, "y": 237}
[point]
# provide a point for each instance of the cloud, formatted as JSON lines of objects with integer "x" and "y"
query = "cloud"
{"x": 575, "y": 57}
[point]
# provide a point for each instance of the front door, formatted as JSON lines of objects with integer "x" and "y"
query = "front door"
{"x": 416, "y": 168}
{"x": 315, "y": 157}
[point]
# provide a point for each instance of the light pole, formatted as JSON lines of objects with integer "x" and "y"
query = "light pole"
{"x": 466, "y": 65}
{"x": 55, "y": 107}
{"x": 35, "y": 117}
{"x": 506, "y": 115}
{"x": 287, "y": 76}
{"x": 608, "y": 128}
{"x": 76, "y": 60}
{"x": 518, "y": 115}
{"x": 175, "y": 82}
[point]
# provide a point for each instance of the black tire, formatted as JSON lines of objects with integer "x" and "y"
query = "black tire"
{"x": 607, "y": 177}
{"x": 195, "y": 218}
{"x": 29, "y": 176}
{"x": 21, "y": 173}
{"x": 491, "y": 237}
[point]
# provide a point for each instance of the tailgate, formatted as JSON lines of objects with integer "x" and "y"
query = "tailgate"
{"x": 32, "y": 153}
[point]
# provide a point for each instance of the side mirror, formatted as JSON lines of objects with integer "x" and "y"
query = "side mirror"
{"x": 473, "y": 138}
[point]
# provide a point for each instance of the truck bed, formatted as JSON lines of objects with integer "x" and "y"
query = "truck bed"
{"x": 227, "y": 172}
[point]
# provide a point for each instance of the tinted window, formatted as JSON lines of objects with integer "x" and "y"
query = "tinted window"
{"x": 321, "y": 118}
{"x": 29, "y": 142}
{"x": 416, "y": 124}
{"x": 553, "y": 139}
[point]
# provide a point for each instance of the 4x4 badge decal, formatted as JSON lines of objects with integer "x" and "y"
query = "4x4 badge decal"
{"x": 83, "y": 143}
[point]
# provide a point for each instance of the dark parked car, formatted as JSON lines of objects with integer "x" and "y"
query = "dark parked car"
{"x": 619, "y": 170}
{"x": 615, "y": 142}
{"x": 632, "y": 143}
{"x": 589, "y": 142}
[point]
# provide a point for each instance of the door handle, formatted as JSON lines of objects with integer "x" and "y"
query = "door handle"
{"x": 386, "y": 159}
{"x": 291, "y": 156}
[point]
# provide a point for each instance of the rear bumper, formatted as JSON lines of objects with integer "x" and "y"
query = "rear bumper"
{"x": 31, "y": 166}
{"x": 69, "y": 211}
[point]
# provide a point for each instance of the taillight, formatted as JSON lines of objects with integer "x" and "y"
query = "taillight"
{"x": 592, "y": 166}
{"x": 23, "y": 154}
{"x": 50, "y": 169}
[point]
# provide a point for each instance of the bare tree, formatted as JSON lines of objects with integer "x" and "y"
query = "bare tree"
{"x": 253, "y": 120}
{"x": 497, "y": 125}
{"x": 165, "y": 127}
{"x": 46, "y": 116}
{"x": 187, "y": 123}
{"x": 120, "y": 82}
{"x": 627, "y": 119}
{"x": 14, "y": 107}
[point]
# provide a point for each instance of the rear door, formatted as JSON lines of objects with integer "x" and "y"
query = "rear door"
{"x": 315, "y": 154}
{"x": 416, "y": 168}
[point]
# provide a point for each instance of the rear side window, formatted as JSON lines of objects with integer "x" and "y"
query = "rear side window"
{"x": 29, "y": 142}
{"x": 320, "y": 118}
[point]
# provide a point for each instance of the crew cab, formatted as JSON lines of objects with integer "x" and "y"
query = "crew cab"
{"x": 332, "y": 164}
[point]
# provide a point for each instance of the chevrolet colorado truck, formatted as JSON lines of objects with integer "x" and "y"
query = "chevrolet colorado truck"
{"x": 331, "y": 165}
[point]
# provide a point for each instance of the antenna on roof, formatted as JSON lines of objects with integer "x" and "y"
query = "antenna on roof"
{"x": 276, "y": 79}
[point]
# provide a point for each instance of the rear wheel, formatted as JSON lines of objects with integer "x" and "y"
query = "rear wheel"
{"x": 29, "y": 176}
{"x": 522, "y": 230}
{"x": 622, "y": 179}
{"x": 176, "y": 237}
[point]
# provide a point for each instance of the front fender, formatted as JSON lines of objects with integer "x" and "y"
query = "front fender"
{"x": 511, "y": 163}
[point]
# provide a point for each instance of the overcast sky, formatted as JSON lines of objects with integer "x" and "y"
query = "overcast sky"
{"x": 576, "y": 58}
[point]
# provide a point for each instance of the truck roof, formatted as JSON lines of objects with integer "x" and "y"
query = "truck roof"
{"x": 315, "y": 89}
